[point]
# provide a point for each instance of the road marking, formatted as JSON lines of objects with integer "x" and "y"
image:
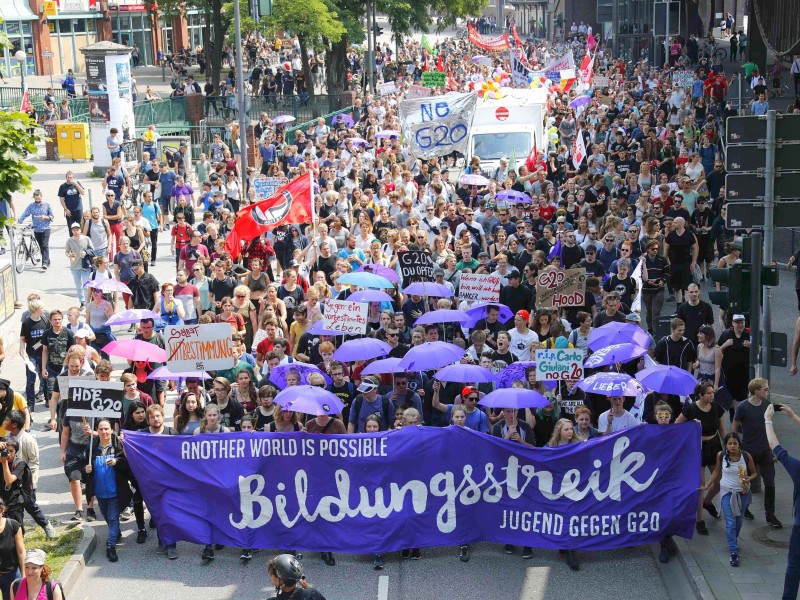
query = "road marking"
{"x": 383, "y": 587}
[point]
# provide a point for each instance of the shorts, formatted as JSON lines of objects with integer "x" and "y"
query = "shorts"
{"x": 709, "y": 452}
{"x": 776, "y": 84}
{"x": 74, "y": 467}
{"x": 681, "y": 277}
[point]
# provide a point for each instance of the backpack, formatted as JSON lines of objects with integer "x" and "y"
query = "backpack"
{"x": 48, "y": 588}
{"x": 87, "y": 262}
{"x": 385, "y": 409}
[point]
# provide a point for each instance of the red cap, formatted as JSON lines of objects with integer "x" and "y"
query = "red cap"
{"x": 467, "y": 391}
{"x": 524, "y": 314}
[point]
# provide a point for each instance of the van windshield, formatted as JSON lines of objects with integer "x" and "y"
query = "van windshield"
{"x": 493, "y": 146}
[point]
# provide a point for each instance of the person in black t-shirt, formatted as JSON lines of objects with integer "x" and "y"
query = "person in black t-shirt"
{"x": 144, "y": 288}
{"x": 221, "y": 285}
{"x": 502, "y": 357}
{"x": 70, "y": 195}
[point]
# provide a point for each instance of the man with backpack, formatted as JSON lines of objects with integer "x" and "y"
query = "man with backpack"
{"x": 18, "y": 488}
{"x": 369, "y": 402}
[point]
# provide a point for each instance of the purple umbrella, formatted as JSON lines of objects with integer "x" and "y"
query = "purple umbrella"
{"x": 443, "y": 315}
{"x": 381, "y": 270}
{"x": 427, "y": 288}
{"x": 481, "y": 60}
{"x": 514, "y": 398}
{"x": 387, "y": 133}
{"x": 514, "y": 196}
{"x": 365, "y": 280}
{"x": 318, "y": 328}
{"x": 361, "y": 349}
{"x": 282, "y": 119}
{"x": 611, "y": 384}
{"x": 108, "y": 285}
{"x": 666, "y": 379}
{"x": 460, "y": 372}
{"x": 133, "y": 315}
{"x": 473, "y": 179}
{"x": 431, "y": 355}
{"x": 513, "y": 372}
{"x": 618, "y": 333}
{"x": 579, "y": 101}
{"x": 358, "y": 141}
{"x": 383, "y": 365}
{"x": 163, "y": 373}
{"x": 479, "y": 310}
{"x": 309, "y": 400}
{"x": 278, "y": 374}
{"x": 616, "y": 353}
{"x": 342, "y": 118}
{"x": 369, "y": 296}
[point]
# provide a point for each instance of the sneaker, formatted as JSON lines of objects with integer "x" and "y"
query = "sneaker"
{"x": 126, "y": 514}
{"x": 246, "y": 554}
{"x": 463, "y": 555}
{"x": 152, "y": 524}
{"x": 711, "y": 509}
{"x": 415, "y": 554}
{"x": 663, "y": 555}
{"x": 218, "y": 546}
{"x": 734, "y": 560}
{"x": 701, "y": 528}
{"x": 50, "y": 531}
{"x": 527, "y": 552}
{"x": 91, "y": 515}
{"x": 111, "y": 553}
{"x": 161, "y": 549}
{"x": 672, "y": 547}
{"x": 773, "y": 520}
{"x": 572, "y": 560}
{"x": 172, "y": 553}
{"x": 377, "y": 562}
{"x": 141, "y": 537}
{"x": 748, "y": 515}
{"x": 328, "y": 559}
{"x": 508, "y": 549}
{"x": 208, "y": 553}
{"x": 405, "y": 553}
{"x": 78, "y": 516}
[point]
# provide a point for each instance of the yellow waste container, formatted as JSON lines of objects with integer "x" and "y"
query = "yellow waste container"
{"x": 81, "y": 142}
{"x": 64, "y": 139}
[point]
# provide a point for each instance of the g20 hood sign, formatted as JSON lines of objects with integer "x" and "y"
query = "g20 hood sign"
{"x": 557, "y": 288}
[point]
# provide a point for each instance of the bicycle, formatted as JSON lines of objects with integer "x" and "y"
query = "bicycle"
{"x": 27, "y": 248}
{"x": 720, "y": 54}
{"x": 131, "y": 198}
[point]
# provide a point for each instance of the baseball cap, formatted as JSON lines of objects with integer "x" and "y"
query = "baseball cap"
{"x": 633, "y": 318}
{"x": 81, "y": 332}
{"x": 483, "y": 255}
{"x": 467, "y": 391}
{"x": 136, "y": 263}
{"x": 590, "y": 248}
{"x": 367, "y": 385}
{"x": 515, "y": 274}
{"x": 34, "y": 556}
{"x": 738, "y": 317}
{"x": 524, "y": 314}
{"x": 74, "y": 225}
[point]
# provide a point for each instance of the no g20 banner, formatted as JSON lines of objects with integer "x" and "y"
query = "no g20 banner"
{"x": 438, "y": 125}
{"x": 419, "y": 487}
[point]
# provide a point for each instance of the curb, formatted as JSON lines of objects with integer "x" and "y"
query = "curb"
{"x": 73, "y": 568}
{"x": 682, "y": 578}
{"x": 693, "y": 572}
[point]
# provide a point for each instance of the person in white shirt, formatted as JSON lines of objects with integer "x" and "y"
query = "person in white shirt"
{"x": 616, "y": 418}
{"x": 522, "y": 336}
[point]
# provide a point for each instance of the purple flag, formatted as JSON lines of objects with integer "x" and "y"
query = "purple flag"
{"x": 418, "y": 487}
{"x": 556, "y": 251}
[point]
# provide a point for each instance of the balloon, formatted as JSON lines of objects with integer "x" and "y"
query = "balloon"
{"x": 505, "y": 82}
{"x": 497, "y": 77}
{"x": 542, "y": 78}
{"x": 492, "y": 95}
{"x": 471, "y": 85}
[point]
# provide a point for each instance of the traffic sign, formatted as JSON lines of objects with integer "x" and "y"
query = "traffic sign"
{"x": 48, "y": 54}
{"x": 751, "y": 158}
{"x": 749, "y": 186}
{"x": 501, "y": 114}
{"x": 754, "y": 128}
{"x": 750, "y": 215}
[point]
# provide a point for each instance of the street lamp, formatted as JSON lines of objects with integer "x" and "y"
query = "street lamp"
{"x": 22, "y": 60}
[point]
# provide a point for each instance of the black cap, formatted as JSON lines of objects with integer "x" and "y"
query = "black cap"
{"x": 514, "y": 273}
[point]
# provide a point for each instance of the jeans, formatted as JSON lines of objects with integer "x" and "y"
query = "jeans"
{"x": 6, "y": 581}
{"x": 43, "y": 239}
{"x": 30, "y": 384}
{"x": 33, "y": 509}
{"x": 792, "y": 580}
{"x": 733, "y": 525}
{"x": 80, "y": 276}
{"x": 110, "y": 509}
{"x": 154, "y": 243}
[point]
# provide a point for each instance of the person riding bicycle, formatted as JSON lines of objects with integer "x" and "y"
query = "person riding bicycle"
{"x": 286, "y": 572}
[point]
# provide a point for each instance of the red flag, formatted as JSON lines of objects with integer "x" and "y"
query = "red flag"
{"x": 291, "y": 204}
{"x": 534, "y": 162}
{"x": 517, "y": 41}
{"x": 440, "y": 63}
{"x": 26, "y": 102}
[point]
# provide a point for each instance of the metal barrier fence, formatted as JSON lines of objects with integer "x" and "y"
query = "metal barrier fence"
{"x": 11, "y": 98}
{"x": 301, "y": 108}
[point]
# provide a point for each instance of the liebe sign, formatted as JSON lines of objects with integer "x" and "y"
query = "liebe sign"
{"x": 418, "y": 487}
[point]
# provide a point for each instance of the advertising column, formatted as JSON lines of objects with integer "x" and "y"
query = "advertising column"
{"x": 108, "y": 75}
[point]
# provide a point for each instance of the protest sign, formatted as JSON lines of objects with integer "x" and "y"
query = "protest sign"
{"x": 415, "y": 265}
{"x": 63, "y": 383}
{"x": 438, "y": 126}
{"x": 557, "y": 288}
{"x": 267, "y": 186}
{"x": 433, "y": 79}
{"x": 683, "y": 78}
{"x": 418, "y": 487}
{"x": 417, "y": 91}
{"x": 387, "y": 88}
{"x": 199, "y": 347}
{"x": 520, "y": 74}
{"x": 95, "y": 398}
{"x": 479, "y": 287}
{"x": 562, "y": 63}
{"x": 559, "y": 364}
{"x": 346, "y": 317}
{"x": 601, "y": 81}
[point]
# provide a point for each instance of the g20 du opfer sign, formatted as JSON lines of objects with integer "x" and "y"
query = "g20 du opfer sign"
{"x": 438, "y": 125}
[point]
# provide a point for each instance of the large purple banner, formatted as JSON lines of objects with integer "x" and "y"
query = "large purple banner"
{"x": 419, "y": 487}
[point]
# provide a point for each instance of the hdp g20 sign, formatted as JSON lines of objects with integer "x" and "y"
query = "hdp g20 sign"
{"x": 438, "y": 125}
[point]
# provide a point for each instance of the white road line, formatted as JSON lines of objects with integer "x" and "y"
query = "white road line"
{"x": 383, "y": 587}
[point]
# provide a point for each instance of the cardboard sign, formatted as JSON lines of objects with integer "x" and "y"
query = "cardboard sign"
{"x": 683, "y": 78}
{"x": 479, "y": 287}
{"x": 415, "y": 265}
{"x": 601, "y": 81}
{"x": 63, "y": 383}
{"x": 557, "y": 288}
{"x": 433, "y": 79}
{"x": 199, "y": 347}
{"x": 267, "y": 186}
{"x": 387, "y": 88}
{"x": 418, "y": 91}
{"x": 95, "y": 398}
{"x": 559, "y": 364}
{"x": 346, "y": 317}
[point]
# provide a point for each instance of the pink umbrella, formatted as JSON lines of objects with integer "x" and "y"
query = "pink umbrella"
{"x": 136, "y": 350}
{"x": 381, "y": 270}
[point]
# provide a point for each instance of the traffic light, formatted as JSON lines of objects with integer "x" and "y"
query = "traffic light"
{"x": 736, "y": 299}
{"x": 560, "y": 20}
{"x": 377, "y": 29}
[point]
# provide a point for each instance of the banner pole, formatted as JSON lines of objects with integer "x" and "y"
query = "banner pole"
{"x": 91, "y": 440}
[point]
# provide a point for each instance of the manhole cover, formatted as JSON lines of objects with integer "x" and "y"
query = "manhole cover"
{"x": 772, "y": 538}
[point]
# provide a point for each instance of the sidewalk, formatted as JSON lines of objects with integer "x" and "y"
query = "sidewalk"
{"x": 763, "y": 551}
